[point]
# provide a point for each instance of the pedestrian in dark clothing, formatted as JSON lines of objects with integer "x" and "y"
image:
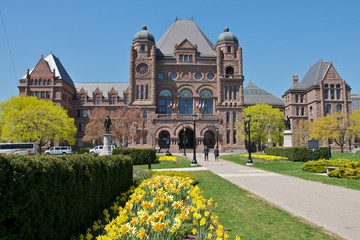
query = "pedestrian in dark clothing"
{"x": 216, "y": 153}
{"x": 206, "y": 153}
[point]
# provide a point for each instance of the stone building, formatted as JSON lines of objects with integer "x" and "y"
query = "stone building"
{"x": 181, "y": 75}
{"x": 322, "y": 91}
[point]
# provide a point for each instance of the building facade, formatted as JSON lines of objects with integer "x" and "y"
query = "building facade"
{"x": 184, "y": 76}
{"x": 321, "y": 92}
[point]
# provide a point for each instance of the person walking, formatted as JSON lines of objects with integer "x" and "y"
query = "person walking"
{"x": 206, "y": 153}
{"x": 216, "y": 153}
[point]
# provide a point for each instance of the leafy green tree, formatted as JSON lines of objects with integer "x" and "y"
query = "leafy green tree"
{"x": 264, "y": 120}
{"x": 301, "y": 133}
{"x": 27, "y": 119}
{"x": 339, "y": 127}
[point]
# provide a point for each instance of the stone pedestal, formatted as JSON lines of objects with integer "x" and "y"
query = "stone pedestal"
{"x": 107, "y": 145}
{"x": 288, "y": 138}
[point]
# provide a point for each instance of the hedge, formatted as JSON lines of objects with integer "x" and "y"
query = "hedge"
{"x": 346, "y": 168}
{"x": 54, "y": 197}
{"x": 301, "y": 154}
{"x": 139, "y": 156}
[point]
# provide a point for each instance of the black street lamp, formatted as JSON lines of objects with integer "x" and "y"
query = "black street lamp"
{"x": 194, "y": 162}
{"x": 217, "y": 138}
{"x": 249, "y": 162}
{"x": 184, "y": 142}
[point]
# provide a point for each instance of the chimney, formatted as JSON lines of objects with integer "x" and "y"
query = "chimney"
{"x": 295, "y": 79}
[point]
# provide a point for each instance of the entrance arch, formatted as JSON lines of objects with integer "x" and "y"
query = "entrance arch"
{"x": 188, "y": 138}
{"x": 164, "y": 139}
{"x": 209, "y": 139}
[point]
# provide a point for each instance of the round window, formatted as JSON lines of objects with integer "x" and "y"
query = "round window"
{"x": 161, "y": 76}
{"x": 173, "y": 76}
{"x": 210, "y": 76}
{"x": 142, "y": 69}
{"x": 198, "y": 75}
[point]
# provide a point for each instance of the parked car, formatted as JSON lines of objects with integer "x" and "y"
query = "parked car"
{"x": 98, "y": 149}
{"x": 59, "y": 150}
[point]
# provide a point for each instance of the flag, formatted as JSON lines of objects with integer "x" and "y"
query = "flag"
{"x": 197, "y": 106}
{"x": 203, "y": 105}
{"x": 176, "y": 105}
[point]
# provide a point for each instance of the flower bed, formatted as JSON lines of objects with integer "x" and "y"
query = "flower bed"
{"x": 163, "y": 207}
{"x": 170, "y": 159}
{"x": 263, "y": 157}
{"x": 346, "y": 168}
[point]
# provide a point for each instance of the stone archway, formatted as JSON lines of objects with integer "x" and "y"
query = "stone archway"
{"x": 164, "y": 139}
{"x": 209, "y": 139}
{"x": 188, "y": 138}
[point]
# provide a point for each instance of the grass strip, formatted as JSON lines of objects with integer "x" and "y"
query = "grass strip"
{"x": 245, "y": 215}
{"x": 294, "y": 169}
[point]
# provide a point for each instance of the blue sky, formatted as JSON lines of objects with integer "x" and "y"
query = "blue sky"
{"x": 92, "y": 38}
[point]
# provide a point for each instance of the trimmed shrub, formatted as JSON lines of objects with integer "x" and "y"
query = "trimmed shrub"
{"x": 139, "y": 156}
{"x": 54, "y": 197}
{"x": 84, "y": 150}
{"x": 301, "y": 154}
{"x": 346, "y": 168}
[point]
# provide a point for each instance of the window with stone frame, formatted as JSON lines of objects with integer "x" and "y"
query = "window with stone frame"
{"x": 326, "y": 91}
{"x": 186, "y": 102}
{"x": 234, "y": 92}
{"x": 82, "y": 99}
{"x": 338, "y": 91}
{"x": 112, "y": 100}
{"x": 332, "y": 91}
{"x": 147, "y": 91}
{"x": 97, "y": 100}
{"x": 327, "y": 109}
{"x": 85, "y": 113}
{"x": 206, "y": 101}
{"x": 339, "y": 108}
{"x": 228, "y": 136}
{"x": 164, "y": 100}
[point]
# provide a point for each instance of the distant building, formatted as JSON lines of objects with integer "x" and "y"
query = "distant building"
{"x": 355, "y": 99}
{"x": 322, "y": 91}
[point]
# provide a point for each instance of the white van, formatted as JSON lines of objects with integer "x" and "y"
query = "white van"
{"x": 98, "y": 149}
{"x": 59, "y": 150}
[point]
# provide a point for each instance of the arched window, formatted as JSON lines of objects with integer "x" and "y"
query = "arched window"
{"x": 326, "y": 91}
{"x": 311, "y": 110}
{"x": 186, "y": 102}
{"x": 147, "y": 91}
{"x": 165, "y": 93}
{"x": 40, "y": 82}
{"x": 164, "y": 139}
{"x": 206, "y": 93}
{"x": 32, "y": 82}
{"x": 328, "y": 109}
{"x": 235, "y": 93}
{"x": 234, "y": 116}
{"x": 338, "y": 91}
{"x": 207, "y": 103}
{"x": 339, "y": 108}
{"x": 165, "y": 99}
{"x": 48, "y": 82}
{"x": 227, "y": 117}
{"x": 229, "y": 71}
{"x": 36, "y": 82}
{"x": 297, "y": 111}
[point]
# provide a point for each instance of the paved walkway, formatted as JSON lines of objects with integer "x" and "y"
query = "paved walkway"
{"x": 336, "y": 209}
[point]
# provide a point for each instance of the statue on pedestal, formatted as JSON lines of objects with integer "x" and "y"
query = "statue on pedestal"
{"x": 287, "y": 123}
{"x": 107, "y": 124}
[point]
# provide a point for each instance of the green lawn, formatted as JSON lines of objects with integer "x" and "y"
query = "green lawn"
{"x": 245, "y": 215}
{"x": 183, "y": 163}
{"x": 294, "y": 169}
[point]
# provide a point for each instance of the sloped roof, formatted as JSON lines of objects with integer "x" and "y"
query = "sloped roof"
{"x": 180, "y": 30}
{"x": 313, "y": 76}
{"x": 60, "y": 72}
{"x": 105, "y": 87}
{"x": 254, "y": 95}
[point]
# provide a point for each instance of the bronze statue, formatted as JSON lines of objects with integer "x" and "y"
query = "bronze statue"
{"x": 107, "y": 124}
{"x": 287, "y": 123}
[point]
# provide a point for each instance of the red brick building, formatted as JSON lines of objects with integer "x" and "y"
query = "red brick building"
{"x": 181, "y": 75}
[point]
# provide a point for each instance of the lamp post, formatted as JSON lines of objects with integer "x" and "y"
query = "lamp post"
{"x": 184, "y": 142}
{"x": 217, "y": 137}
{"x": 249, "y": 162}
{"x": 123, "y": 140}
{"x": 269, "y": 140}
{"x": 194, "y": 162}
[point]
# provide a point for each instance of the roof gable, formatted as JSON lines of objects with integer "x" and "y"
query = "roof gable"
{"x": 180, "y": 30}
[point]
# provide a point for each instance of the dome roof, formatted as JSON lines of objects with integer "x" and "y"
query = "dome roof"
{"x": 143, "y": 35}
{"x": 227, "y": 36}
